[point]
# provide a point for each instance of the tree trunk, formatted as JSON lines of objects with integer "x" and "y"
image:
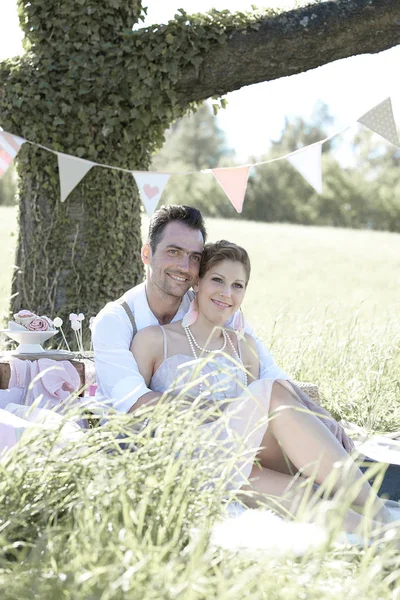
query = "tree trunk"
{"x": 75, "y": 256}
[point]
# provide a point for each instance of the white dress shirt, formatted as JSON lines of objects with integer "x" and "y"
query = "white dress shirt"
{"x": 119, "y": 382}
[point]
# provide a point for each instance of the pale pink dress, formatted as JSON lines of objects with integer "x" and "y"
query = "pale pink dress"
{"x": 244, "y": 419}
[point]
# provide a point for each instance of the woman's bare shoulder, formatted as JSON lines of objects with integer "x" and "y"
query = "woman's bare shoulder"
{"x": 174, "y": 330}
{"x": 150, "y": 334}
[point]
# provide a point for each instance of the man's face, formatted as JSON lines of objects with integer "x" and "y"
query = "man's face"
{"x": 174, "y": 266}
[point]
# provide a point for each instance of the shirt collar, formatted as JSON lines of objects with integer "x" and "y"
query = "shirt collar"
{"x": 144, "y": 317}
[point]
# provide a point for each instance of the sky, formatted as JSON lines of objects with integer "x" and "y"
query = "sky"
{"x": 255, "y": 114}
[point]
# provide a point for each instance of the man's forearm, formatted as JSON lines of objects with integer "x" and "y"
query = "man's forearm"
{"x": 148, "y": 399}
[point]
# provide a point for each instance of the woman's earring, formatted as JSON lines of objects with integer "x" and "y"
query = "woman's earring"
{"x": 191, "y": 314}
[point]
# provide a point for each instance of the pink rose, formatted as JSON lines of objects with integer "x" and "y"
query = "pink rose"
{"x": 23, "y": 314}
{"x": 38, "y": 324}
{"x": 49, "y": 321}
{"x": 23, "y": 317}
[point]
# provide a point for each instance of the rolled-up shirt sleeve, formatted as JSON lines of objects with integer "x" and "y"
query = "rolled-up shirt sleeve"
{"x": 119, "y": 382}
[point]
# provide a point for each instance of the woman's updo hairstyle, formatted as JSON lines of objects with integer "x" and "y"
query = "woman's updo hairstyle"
{"x": 214, "y": 253}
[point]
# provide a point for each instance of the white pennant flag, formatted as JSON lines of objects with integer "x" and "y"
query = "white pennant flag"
{"x": 71, "y": 170}
{"x": 9, "y": 146}
{"x": 307, "y": 161}
{"x": 381, "y": 120}
{"x": 151, "y": 186}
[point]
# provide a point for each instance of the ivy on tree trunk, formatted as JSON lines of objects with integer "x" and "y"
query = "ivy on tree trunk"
{"x": 92, "y": 87}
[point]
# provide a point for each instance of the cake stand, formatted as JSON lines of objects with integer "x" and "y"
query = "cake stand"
{"x": 30, "y": 342}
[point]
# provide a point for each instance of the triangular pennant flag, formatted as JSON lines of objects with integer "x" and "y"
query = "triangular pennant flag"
{"x": 9, "y": 146}
{"x": 71, "y": 170}
{"x": 381, "y": 120}
{"x": 234, "y": 183}
{"x": 151, "y": 186}
{"x": 307, "y": 161}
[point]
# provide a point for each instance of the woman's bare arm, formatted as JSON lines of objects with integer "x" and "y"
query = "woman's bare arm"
{"x": 251, "y": 361}
{"x": 147, "y": 348}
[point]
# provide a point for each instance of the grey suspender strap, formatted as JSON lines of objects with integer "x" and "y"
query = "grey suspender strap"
{"x": 130, "y": 314}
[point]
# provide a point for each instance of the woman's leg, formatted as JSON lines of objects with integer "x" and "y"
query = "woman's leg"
{"x": 271, "y": 455}
{"x": 290, "y": 493}
{"x": 309, "y": 445}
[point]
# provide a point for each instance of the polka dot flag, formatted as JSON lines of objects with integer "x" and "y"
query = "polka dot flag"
{"x": 380, "y": 119}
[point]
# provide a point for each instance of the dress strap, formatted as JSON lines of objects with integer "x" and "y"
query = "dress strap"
{"x": 165, "y": 345}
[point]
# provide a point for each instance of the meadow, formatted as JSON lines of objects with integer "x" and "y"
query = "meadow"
{"x": 91, "y": 521}
{"x": 325, "y": 301}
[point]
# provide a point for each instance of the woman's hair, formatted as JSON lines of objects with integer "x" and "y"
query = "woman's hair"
{"x": 214, "y": 253}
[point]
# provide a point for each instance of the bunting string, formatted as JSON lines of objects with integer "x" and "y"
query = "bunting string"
{"x": 233, "y": 180}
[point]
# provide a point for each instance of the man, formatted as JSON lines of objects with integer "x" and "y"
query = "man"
{"x": 172, "y": 256}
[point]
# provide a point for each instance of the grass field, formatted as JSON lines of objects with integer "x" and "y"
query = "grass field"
{"x": 326, "y": 301}
{"x": 91, "y": 522}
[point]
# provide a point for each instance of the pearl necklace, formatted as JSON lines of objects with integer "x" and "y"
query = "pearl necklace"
{"x": 193, "y": 342}
{"x": 193, "y": 345}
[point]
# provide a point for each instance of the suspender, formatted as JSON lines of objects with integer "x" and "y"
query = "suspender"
{"x": 130, "y": 314}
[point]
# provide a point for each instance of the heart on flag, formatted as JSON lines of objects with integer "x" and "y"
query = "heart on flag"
{"x": 151, "y": 186}
{"x": 150, "y": 191}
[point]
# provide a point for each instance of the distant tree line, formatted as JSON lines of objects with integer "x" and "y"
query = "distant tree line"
{"x": 366, "y": 195}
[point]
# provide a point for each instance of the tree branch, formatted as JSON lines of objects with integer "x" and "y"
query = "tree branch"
{"x": 294, "y": 42}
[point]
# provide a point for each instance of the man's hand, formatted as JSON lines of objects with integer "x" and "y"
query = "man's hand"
{"x": 146, "y": 400}
{"x": 326, "y": 419}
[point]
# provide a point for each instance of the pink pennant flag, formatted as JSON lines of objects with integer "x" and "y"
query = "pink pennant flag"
{"x": 71, "y": 170}
{"x": 151, "y": 186}
{"x": 9, "y": 146}
{"x": 381, "y": 120}
{"x": 307, "y": 161}
{"x": 233, "y": 181}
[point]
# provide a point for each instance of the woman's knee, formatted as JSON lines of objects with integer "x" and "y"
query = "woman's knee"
{"x": 281, "y": 396}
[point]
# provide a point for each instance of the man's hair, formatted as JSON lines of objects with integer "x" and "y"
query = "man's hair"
{"x": 189, "y": 216}
{"x": 214, "y": 253}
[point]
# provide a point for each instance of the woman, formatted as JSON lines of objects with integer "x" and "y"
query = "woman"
{"x": 292, "y": 439}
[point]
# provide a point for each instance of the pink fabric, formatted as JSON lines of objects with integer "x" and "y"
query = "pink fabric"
{"x": 191, "y": 315}
{"x": 14, "y": 396}
{"x": 17, "y": 419}
{"x": 11, "y": 429}
{"x": 52, "y": 381}
{"x": 48, "y": 381}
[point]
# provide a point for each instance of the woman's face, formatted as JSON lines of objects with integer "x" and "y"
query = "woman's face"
{"x": 221, "y": 290}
